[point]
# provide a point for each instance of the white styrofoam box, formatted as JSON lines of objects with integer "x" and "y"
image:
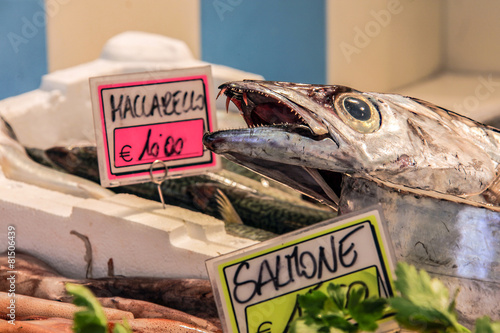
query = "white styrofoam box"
{"x": 131, "y": 47}
{"x": 142, "y": 238}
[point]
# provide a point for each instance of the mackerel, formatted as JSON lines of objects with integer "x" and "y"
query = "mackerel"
{"x": 16, "y": 165}
{"x": 259, "y": 205}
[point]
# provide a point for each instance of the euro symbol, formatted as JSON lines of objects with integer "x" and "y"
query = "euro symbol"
{"x": 264, "y": 329}
{"x": 125, "y": 154}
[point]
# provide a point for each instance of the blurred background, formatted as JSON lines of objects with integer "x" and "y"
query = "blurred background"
{"x": 444, "y": 51}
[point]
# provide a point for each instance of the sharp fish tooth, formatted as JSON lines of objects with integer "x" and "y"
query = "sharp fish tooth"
{"x": 227, "y": 103}
{"x": 245, "y": 98}
{"x": 221, "y": 92}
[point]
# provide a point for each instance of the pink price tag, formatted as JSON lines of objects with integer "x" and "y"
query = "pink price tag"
{"x": 166, "y": 142}
{"x": 140, "y": 118}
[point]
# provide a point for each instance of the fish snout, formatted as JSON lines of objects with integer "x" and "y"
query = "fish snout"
{"x": 208, "y": 140}
{"x": 213, "y": 141}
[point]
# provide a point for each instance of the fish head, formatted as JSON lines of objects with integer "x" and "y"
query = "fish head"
{"x": 309, "y": 136}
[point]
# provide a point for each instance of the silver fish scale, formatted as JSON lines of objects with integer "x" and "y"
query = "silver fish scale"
{"x": 457, "y": 243}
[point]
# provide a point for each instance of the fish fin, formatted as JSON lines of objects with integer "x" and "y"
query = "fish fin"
{"x": 226, "y": 209}
{"x": 212, "y": 200}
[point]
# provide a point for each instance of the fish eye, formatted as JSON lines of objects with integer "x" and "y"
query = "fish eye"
{"x": 358, "y": 112}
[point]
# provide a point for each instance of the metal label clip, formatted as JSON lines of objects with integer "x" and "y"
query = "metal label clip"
{"x": 159, "y": 181}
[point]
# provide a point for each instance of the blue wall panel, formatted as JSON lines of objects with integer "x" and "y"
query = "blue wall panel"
{"x": 23, "y": 51}
{"x": 281, "y": 39}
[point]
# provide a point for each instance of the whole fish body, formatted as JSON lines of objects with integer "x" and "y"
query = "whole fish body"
{"x": 264, "y": 207}
{"x": 17, "y": 165}
{"x": 434, "y": 172}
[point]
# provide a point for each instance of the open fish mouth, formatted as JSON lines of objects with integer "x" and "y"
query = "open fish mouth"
{"x": 276, "y": 124}
{"x": 261, "y": 106}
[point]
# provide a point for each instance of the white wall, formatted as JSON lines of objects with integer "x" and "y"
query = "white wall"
{"x": 371, "y": 44}
{"x": 473, "y": 35}
{"x": 383, "y": 44}
{"x": 77, "y": 30}
{"x": 469, "y": 82}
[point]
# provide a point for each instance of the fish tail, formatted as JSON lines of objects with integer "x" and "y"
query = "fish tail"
{"x": 211, "y": 199}
{"x": 226, "y": 209}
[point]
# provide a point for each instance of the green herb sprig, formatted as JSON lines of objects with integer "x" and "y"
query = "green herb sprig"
{"x": 340, "y": 309}
{"x": 92, "y": 318}
{"x": 423, "y": 305}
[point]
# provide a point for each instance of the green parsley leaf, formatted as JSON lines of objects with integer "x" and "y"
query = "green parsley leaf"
{"x": 312, "y": 303}
{"x": 485, "y": 325}
{"x": 125, "y": 328}
{"x": 424, "y": 303}
{"x": 338, "y": 295}
{"x": 343, "y": 310}
{"x": 340, "y": 323}
{"x": 368, "y": 312}
{"x": 92, "y": 318}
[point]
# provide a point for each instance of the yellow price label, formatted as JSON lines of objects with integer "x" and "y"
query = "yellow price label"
{"x": 257, "y": 288}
